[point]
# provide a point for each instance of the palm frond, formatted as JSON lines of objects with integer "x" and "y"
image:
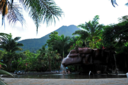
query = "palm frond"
{"x": 14, "y": 13}
{"x": 3, "y": 64}
{"x": 2, "y": 83}
{"x": 99, "y": 27}
{"x": 42, "y": 10}
{"x": 95, "y": 22}
{"x": 79, "y": 32}
{"x": 83, "y": 34}
{"x": 37, "y": 19}
{"x": 81, "y": 26}
{"x": 16, "y": 49}
{"x": 4, "y": 34}
{"x": 95, "y": 19}
{"x": 89, "y": 26}
{"x": 114, "y": 3}
{"x": 16, "y": 38}
{"x": 11, "y": 3}
{"x": 5, "y": 72}
{"x": 19, "y": 44}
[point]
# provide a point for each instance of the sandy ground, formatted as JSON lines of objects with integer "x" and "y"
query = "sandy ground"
{"x": 27, "y": 81}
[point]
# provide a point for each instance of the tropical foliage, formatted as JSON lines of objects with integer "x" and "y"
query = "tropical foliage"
{"x": 58, "y": 42}
{"x": 10, "y": 45}
{"x": 45, "y": 11}
{"x": 115, "y": 37}
{"x": 62, "y": 42}
{"x": 13, "y": 12}
{"x": 49, "y": 56}
{"x": 91, "y": 31}
{"x": 3, "y": 72}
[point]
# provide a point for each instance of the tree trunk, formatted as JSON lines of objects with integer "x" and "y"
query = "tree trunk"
{"x": 63, "y": 52}
{"x": 49, "y": 63}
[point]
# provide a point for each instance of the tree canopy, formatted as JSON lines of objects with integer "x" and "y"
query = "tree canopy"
{"x": 9, "y": 44}
{"x": 91, "y": 31}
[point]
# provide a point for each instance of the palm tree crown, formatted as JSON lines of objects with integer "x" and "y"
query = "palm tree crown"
{"x": 90, "y": 30}
{"x": 9, "y": 44}
{"x": 61, "y": 42}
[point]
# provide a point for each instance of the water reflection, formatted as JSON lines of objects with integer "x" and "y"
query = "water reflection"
{"x": 67, "y": 76}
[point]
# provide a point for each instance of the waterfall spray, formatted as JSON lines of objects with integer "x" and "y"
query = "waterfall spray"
{"x": 62, "y": 67}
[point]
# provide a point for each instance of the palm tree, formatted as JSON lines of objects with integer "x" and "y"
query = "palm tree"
{"x": 40, "y": 10}
{"x": 48, "y": 56}
{"x": 82, "y": 34}
{"x": 90, "y": 30}
{"x": 61, "y": 43}
{"x": 42, "y": 53}
{"x": 10, "y": 45}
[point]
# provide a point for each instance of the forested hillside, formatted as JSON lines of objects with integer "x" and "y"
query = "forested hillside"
{"x": 34, "y": 44}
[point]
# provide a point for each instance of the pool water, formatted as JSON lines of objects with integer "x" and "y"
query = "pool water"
{"x": 66, "y": 76}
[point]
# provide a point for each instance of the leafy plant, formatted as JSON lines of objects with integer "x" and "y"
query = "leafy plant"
{"x": 92, "y": 31}
{"x": 10, "y": 45}
{"x": 3, "y": 72}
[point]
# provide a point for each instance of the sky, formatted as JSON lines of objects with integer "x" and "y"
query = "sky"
{"x": 75, "y": 12}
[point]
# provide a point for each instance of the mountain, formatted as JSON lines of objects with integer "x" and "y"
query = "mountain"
{"x": 34, "y": 44}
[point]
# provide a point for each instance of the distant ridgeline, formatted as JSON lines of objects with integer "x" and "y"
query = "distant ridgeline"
{"x": 34, "y": 44}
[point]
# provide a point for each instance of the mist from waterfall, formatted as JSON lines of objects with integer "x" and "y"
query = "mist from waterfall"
{"x": 62, "y": 67}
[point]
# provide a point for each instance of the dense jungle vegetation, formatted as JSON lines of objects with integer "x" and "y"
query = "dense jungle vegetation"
{"x": 49, "y": 57}
{"x": 93, "y": 35}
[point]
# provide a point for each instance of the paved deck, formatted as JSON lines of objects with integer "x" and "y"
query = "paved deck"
{"x": 27, "y": 81}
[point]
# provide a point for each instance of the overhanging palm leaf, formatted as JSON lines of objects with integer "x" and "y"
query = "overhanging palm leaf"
{"x": 36, "y": 19}
{"x": 114, "y": 2}
{"x": 4, "y": 72}
{"x": 2, "y": 83}
{"x": 42, "y": 10}
{"x": 14, "y": 13}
